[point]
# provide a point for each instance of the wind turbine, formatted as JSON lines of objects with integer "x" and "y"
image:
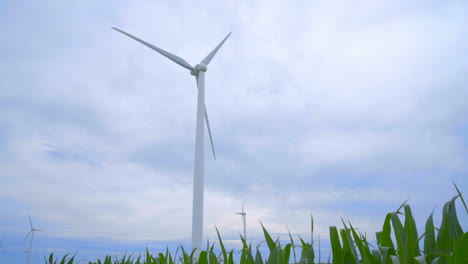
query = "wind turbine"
{"x": 198, "y": 176}
{"x": 242, "y": 213}
{"x": 31, "y": 232}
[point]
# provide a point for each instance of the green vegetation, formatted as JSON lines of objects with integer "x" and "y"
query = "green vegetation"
{"x": 397, "y": 243}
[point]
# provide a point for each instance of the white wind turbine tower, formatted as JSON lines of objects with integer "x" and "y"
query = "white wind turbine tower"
{"x": 243, "y": 214}
{"x": 31, "y": 232}
{"x": 198, "y": 177}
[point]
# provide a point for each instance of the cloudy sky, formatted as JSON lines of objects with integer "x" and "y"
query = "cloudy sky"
{"x": 340, "y": 109}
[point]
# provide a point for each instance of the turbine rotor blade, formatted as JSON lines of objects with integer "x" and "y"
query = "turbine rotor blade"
{"x": 242, "y": 206}
{"x": 27, "y": 235}
{"x": 30, "y": 222}
{"x": 207, "y": 121}
{"x": 210, "y": 56}
{"x": 209, "y": 133}
{"x": 166, "y": 54}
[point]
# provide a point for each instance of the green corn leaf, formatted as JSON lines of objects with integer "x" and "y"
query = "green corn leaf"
{"x": 363, "y": 247}
{"x": 421, "y": 259}
{"x": 271, "y": 244}
{"x": 258, "y": 256}
{"x": 168, "y": 257}
{"x": 64, "y": 259}
{"x": 212, "y": 259}
{"x": 460, "y": 251}
{"x": 412, "y": 240}
{"x": 231, "y": 257}
{"x": 400, "y": 237}
{"x": 337, "y": 251}
{"x": 291, "y": 240}
{"x": 395, "y": 259}
{"x": 287, "y": 254}
{"x": 377, "y": 255}
{"x": 449, "y": 232}
{"x": 274, "y": 257}
{"x": 401, "y": 206}
{"x": 202, "y": 259}
{"x": 385, "y": 255}
{"x": 280, "y": 252}
{"x": 384, "y": 239}
{"x": 192, "y": 255}
{"x": 108, "y": 260}
{"x": 223, "y": 249}
{"x": 162, "y": 258}
{"x": 185, "y": 256}
{"x": 349, "y": 243}
{"x": 429, "y": 239}
{"x": 148, "y": 256}
{"x": 307, "y": 254}
{"x": 246, "y": 257}
{"x": 348, "y": 254}
{"x": 311, "y": 229}
{"x": 461, "y": 197}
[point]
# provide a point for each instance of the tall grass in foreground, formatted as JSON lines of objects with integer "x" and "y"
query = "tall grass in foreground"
{"x": 447, "y": 244}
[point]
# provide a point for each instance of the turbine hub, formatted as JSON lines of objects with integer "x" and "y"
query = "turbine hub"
{"x": 201, "y": 67}
{"x": 198, "y": 68}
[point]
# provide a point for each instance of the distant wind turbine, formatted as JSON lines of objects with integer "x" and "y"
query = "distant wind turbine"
{"x": 31, "y": 232}
{"x": 198, "y": 177}
{"x": 243, "y": 214}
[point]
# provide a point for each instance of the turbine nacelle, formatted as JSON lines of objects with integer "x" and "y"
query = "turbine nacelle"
{"x": 199, "y": 68}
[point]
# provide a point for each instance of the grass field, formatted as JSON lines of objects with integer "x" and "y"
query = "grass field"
{"x": 399, "y": 242}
